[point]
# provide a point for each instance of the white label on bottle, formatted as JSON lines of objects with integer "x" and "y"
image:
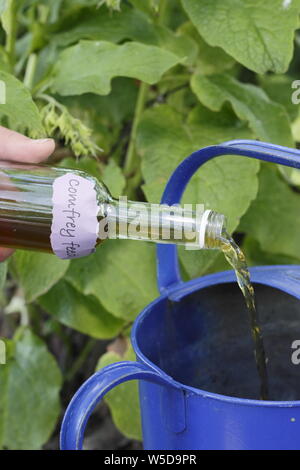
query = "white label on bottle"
{"x": 74, "y": 227}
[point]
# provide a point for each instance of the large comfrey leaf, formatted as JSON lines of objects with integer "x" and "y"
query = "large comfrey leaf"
{"x": 279, "y": 89}
{"x": 91, "y": 65}
{"x": 113, "y": 178}
{"x": 121, "y": 275}
{"x": 127, "y": 24}
{"x": 227, "y": 184}
{"x": 82, "y": 312}
{"x": 17, "y": 105}
{"x": 37, "y": 272}
{"x": 273, "y": 218}
{"x": 210, "y": 59}
{"x": 268, "y": 120}
{"x": 29, "y": 401}
{"x": 256, "y": 256}
{"x": 258, "y": 34}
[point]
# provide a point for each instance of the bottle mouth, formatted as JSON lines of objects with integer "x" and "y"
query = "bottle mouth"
{"x": 212, "y": 228}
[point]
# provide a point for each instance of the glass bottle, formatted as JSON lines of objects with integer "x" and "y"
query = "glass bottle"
{"x": 69, "y": 212}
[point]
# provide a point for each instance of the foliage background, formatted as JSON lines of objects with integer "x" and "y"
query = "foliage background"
{"x": 148, "y": 82}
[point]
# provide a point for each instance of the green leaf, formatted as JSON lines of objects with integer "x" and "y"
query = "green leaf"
{"x": 107, "y": 115}
{"x": 91, "y": 65}
{"x": 37, "y": 272}
{"x": 147, "y": 6}
{"x": 279, "y": 89}
{"x": 255, "y": 256}
{"x": 19, "y": 106}
{"x": 121, "y": 274}
{"x": 273, "y": 218}
{"x": 175, "y": 140}
{"x": 268, "y": 120}
{"x": 111, "y": 109}
{"x": 110, "y": 174}
{"x": 46, "y": 58}
{"x": 113, "y": 178}
{"x": 83, "y": 313}
{"x": 88, "y": 164}
{"x": 127, "y": 24}
{"x": 258, "y": 34}
{"x": 216, "y": 127}
{"x": 124, "y": 400}
{"x": 29, "y": 401}
{"x": 210, "y": 59}
{"x": 217, "y": 185}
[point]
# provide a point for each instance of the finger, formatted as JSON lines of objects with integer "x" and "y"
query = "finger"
{"x": 5, "y": 253}
{"x": 18, "y": 147}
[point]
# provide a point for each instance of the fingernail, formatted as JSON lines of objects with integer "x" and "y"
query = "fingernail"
{"x": 41, "y": 141}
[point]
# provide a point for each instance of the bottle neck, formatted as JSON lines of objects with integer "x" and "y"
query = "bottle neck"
{"x": 161, "y": 223}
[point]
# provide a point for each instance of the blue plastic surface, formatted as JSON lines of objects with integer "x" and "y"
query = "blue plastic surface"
{"x": 175, "y": 413}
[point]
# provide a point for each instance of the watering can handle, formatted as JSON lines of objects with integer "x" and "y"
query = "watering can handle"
{"x": 92, "y": 391}
{"x": 168, "y": 272}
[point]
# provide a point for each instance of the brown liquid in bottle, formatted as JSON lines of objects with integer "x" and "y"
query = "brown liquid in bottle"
{"x": 25, "y": 212}
{"x": 26, "y": 206}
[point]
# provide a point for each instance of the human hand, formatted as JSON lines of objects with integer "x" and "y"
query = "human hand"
{"x": 17, "y": 147}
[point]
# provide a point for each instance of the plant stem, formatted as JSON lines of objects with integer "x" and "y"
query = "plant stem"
{"x": 162, "y": 12}
{"x": 132, "y": 173}
{"x": 41, "y": 85}
{"x": 130, "y": 155}
{"x": 10, "y": 25}
{"x": 50, "y": 99}
{"x": 30, "y": 70}
{"x": 80, "y": 359}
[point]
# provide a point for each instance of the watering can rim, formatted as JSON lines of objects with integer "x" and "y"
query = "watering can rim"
{"x": 285, "y": 277}
{"x": 186, "y": 288}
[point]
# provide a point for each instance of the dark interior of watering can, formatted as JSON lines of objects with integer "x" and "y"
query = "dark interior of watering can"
{"x": 204, "y": 341}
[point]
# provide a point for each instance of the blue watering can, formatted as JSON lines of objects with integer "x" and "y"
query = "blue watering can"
{"x": 198, "y": 383}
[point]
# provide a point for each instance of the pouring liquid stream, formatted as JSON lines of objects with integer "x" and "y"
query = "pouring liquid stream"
{"x": 236, "y": 259}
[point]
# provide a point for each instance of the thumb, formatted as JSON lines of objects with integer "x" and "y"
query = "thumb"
{"x": 17, "y": 147}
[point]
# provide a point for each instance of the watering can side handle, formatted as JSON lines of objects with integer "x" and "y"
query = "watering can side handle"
{"x": 265, "y": 151}
{"x": 92, "y": 391}
{"x": 168, "y": 272}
